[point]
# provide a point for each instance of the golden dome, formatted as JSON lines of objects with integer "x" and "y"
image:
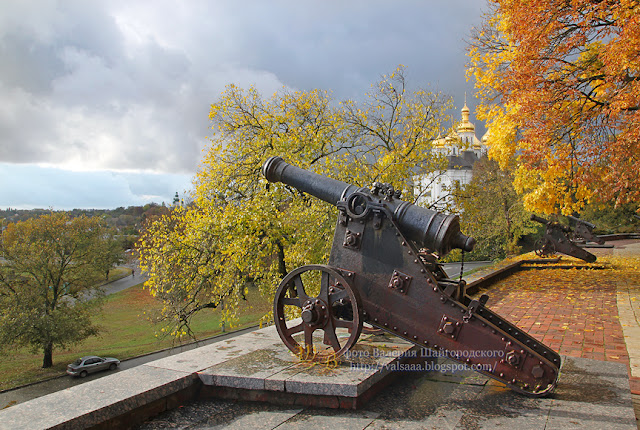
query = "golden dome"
{"x": 466, "y": 125}
{"x": 439, "y": 141}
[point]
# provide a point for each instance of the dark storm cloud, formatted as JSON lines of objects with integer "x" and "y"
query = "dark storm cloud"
{"x": 120, "y": 84}
{"x": 345, "y": 46}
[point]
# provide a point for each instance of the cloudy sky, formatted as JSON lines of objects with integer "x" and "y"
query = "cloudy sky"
{"x": 105, "y": 103}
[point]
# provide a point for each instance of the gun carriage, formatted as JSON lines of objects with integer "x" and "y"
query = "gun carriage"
{"x": 378, "y": 273}
{"x": 556, "y": 239}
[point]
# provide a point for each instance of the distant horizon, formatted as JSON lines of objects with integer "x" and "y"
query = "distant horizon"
{"x": 11, "y": 208}
{"x": 104, "y": 189}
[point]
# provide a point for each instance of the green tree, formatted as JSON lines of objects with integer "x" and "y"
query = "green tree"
{"x": 48, "y": 281}
{"x": 492, "y": 211}
{"x": 241, "y": 230}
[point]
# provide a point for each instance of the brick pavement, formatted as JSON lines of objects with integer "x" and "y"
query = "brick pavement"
{"x": 572, "y": 311}
{"x": 579, "y": 313}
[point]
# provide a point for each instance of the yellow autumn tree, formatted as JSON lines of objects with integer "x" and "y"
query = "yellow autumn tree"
{"x": 560, "y": 84}
{"x": 242, "y": 230}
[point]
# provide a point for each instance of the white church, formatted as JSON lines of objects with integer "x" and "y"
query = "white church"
{"x": 462, "y": 149}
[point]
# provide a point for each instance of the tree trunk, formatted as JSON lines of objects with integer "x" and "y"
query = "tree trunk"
{"x": 507, "y": 218}
{"x": 282, "y": 268}
{"x": 48, "y": 356}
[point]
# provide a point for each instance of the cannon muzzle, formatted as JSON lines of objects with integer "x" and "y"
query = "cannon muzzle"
{"x": 427, "y": 228}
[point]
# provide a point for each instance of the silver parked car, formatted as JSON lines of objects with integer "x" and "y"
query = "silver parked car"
{"x": 85, "y": 365}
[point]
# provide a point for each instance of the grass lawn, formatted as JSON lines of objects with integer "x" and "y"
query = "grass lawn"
{"x": 126, "y": 333}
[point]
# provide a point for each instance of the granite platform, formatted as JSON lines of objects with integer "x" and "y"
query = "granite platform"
{"x": 278, "y": 376}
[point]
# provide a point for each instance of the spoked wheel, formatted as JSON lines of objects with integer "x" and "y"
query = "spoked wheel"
{"x": 544, "y": 247}
{"x": 317, "y": 299}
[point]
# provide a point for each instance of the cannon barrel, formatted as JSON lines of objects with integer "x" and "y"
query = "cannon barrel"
{"x": 539, "y": 219}
{"x": 581, "y": 221}
{"x": 428, "y": 228}
{"x": 550, "y": 223}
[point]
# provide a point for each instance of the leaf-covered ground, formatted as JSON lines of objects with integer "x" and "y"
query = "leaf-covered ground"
{"x": 573, "y": 311}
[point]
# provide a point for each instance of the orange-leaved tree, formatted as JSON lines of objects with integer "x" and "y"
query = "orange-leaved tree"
{"x": 560, "y": 84}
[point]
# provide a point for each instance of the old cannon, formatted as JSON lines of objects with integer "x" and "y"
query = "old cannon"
{"x": 556, "y": 239}
{"x": 583, "y": 231}
{"x": 378, "y": 273}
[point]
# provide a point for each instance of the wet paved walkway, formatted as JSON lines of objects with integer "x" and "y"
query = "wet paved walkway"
{"x": 579, "y": 313}
{"x": 628, "y": 298}
{"x": 591, "y": 394}
{"x": 572, "y": 311}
